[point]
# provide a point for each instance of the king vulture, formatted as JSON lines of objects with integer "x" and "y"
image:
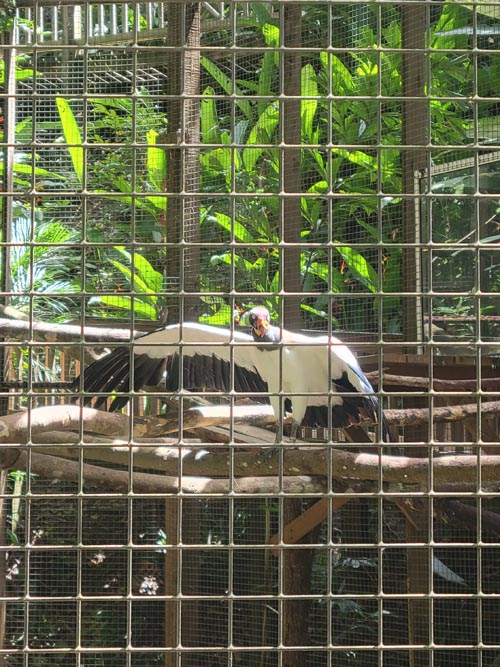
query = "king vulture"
{"x": 317, "y": 374}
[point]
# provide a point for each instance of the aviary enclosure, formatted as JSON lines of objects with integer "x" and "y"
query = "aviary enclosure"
{"x": 171, "y": 162}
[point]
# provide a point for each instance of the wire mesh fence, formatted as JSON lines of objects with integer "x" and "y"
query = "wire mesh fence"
{"x": 188, "y": 479}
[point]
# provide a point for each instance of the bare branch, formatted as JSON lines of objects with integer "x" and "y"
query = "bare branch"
{"x": 52, "y": 467}
{"x": 22, "y": 332}
{"x": 448, "y": 413}
{"x": 198, "y": 460}
{"x": 22, "y": 426}
{"x": 472, "y": 385}
{"x": 66, "y": 333}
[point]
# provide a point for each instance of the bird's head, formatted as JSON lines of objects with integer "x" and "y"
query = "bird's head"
{"x": 260, "y": 321}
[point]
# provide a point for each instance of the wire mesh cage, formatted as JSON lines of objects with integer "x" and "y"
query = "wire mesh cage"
{"x": 199, "y": 202}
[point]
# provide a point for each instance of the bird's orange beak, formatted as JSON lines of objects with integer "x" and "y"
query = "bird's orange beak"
{"x": 261, "y": 326}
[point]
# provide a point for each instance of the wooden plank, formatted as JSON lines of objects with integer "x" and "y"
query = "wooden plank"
{"x": 303, "y": 524}
{"x": 242, "y": 434}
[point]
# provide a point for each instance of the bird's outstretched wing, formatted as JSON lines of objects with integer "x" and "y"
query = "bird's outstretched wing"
{"x": 339, "y": 393}
{"x": 204, "y": 355}
{"x": 197, "y": 357}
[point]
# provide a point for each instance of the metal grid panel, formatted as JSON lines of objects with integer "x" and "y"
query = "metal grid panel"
{"x": 335, "y": 162}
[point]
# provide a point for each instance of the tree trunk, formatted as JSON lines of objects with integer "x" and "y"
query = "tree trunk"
{"x": 297, "y": 570}
{"x": 291, "y": 165}
{"x": 183, "y": 165}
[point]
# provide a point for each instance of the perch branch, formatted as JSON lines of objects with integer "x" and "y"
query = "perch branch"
{"x": 61, "y": 333}
{"x": 22, "y": 332}
{"x": 19, "y": 426}
{"x": 53, "y": 467}
{"x": 346, "y": 465}
{"x": 487, "y": 384}
{"x": 448, "y": 413}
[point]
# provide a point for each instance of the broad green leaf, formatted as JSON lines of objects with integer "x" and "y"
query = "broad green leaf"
{"x": 357, "y": 157}
{"x": 223, "y": 317}
{"x": 309, "y": 88}
{"x": 342, "y": 82}
{"x": 217, "y": 160}
{"x": 320, "y": 187}
{"x": 261, "y": 133}
{"x": 489, "y": 239}
{"x": 158, "y": 201}
{"x": 271, "y": 35}
{"x": 20, "y": 168}
{"x": 127, "y": 303}
{"x": 238, "y": 261}
{"x": 72, "y": 137}
{"x": 275, "y": 283}
{"x": 209, "y": 121}
{"x": 330, "y": 275}
{"x": 136, "y": 283}
{"x": 156, "y": 162}
{"x": 266, "y": 77}
{"x": 120, "y": 103}
{"x": 234, "y": 228}
{"x": 226, "y": 84}
{"x": 360, "y": 268}
{"x": 143, "y": 269}
{"x": 486, "y": 7}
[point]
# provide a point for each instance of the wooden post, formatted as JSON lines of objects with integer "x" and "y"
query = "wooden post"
{"x": 297, "y": 570}
{"x": 291, "y": 164}
{"x": 414, "y": 160}
{"x": 297, "y": 564}
{"x": 183, "y": 261}
{"x": 183, "y": 165}
{"x": 415, "y": 128}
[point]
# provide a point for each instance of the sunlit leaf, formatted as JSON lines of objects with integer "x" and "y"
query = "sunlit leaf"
{"x": 156, "y": 162}
{"x": 139, "y": 308}
{"x": 359, "y": 267}
{"x": 226, "y": 83}
{"x": 234, "y": 228}
{"x": 308, "y": 107}
{"x": 72, "y": 137}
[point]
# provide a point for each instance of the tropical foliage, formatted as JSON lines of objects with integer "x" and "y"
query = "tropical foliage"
{"x": 351, "y": 205}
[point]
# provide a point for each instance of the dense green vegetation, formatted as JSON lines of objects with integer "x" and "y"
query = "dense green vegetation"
{"x": 92, "y": 239}
{"x": 350, "y": 171}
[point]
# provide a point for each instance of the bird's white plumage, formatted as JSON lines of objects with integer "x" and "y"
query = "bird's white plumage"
{"x": 190, "y": 339}
{"x": 311, "y": 371}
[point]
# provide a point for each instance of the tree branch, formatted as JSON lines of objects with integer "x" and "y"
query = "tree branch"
{"x": 23, "y": 332}
{"x": 53, "y": 467}
{"x": 448, "y": 413}
{"x": 19, "y": 427}
{"x": 466, "y": 384}
{"x": 65, "y": 333}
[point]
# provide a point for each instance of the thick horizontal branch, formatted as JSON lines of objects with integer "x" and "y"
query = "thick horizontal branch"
{"x": 20, "y": 427}
{"x": 448, "y": 413}
{"x": 197, "y": 460}
{"x": 472, "y": 385}
{"x": 22, "y": 332}
{"x": 304, "y": 463}
{"x": 53, "y": 467}
{"x": 65, "y": 333}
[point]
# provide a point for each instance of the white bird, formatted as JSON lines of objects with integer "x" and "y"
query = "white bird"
{"x": 319, "y": 375}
